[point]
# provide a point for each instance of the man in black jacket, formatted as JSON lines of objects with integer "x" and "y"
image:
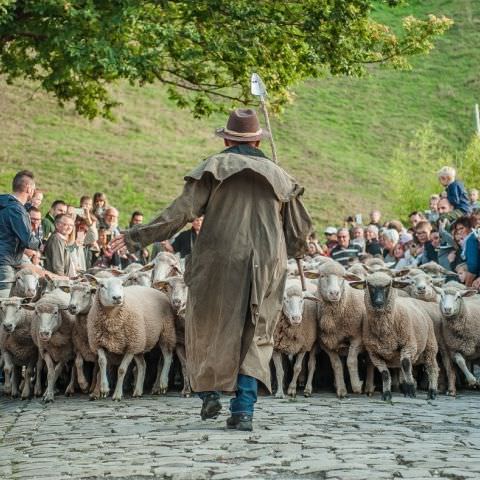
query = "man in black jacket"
{"x": 15, "y": 228}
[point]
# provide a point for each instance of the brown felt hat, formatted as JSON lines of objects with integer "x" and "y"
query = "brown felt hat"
{"x": 242, "y": 126}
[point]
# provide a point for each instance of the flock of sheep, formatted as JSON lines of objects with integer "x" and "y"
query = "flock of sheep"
{"x": 109, "y": 318}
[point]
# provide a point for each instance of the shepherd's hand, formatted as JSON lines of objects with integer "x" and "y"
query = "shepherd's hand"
{"x": 117, "y": 243}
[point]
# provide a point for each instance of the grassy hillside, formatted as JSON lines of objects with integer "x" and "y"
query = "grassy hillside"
{"x": 338, "y": 138}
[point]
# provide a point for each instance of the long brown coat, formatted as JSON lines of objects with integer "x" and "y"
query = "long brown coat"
{"x": 237, "y": 270}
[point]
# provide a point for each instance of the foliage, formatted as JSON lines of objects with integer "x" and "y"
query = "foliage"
{"x": 413, "y": 174}
{"x": 203, "y": 50}
{"x": 337, "y": 138}
{"x": 469, "y": 166}
{"x": 414, "y": 170}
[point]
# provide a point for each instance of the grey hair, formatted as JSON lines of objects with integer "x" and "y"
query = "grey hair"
{"x": 392, "y": 235}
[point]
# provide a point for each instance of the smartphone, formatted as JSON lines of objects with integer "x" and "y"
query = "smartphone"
{"x": 358, "y": 219}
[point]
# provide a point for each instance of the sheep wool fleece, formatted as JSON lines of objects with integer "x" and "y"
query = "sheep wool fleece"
{"x": 237, "y": 270}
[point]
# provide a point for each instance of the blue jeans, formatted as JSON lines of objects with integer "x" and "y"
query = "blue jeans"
{"x": 245, "y": 396}
{"x": 7, "y": 279}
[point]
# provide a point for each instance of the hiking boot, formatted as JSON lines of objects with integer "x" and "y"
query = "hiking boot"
{"x": 240, "y": 421}
{"x": 211, "y": 406}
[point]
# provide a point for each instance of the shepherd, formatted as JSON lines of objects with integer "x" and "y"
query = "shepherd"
{"x": 254, "y": 220}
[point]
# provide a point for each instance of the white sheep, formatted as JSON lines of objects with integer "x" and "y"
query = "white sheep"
{"x": 81, "y": 300}
{"x": 295, "y": 334}
{"x": 17, "y": 347}
{"x": 397, "y": 333}
{"x": 461, "y": 328}
{"x": 129, "y": 321}
{"x": 51, "y": 330}
{"x": 177, "y": 292}
{"x": 341, "y": 316}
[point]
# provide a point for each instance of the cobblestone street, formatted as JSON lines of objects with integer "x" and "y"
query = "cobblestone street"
{"x": 320, "y": 437}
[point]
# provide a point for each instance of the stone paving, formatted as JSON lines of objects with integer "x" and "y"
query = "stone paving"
{"x": 316, "y": 438}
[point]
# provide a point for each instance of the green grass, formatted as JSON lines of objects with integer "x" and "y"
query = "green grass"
{"x": 338, "y": 138}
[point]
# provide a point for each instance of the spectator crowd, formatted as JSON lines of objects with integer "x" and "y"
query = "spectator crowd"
{"x": 69, "y": 239}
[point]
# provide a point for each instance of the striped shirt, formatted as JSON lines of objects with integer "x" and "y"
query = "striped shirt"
{"x": 343, "y": 255}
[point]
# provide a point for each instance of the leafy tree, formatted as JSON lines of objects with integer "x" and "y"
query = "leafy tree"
{"x": 203, "y": 50}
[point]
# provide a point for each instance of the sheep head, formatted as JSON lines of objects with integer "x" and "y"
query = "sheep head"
{"x": 11, "y": 309}
{"x": 177, "y": 292}
{"x": 81, "y": 296}
{"x": 165, "y": 265}
{"x": 110, "y": 291}
{"x": 293, "y": 301}
{"x": 451, "y": 301}
{"x": 26, "y": 283}
{"x": 379, "y": 288}
{"x": 49, "y": 315}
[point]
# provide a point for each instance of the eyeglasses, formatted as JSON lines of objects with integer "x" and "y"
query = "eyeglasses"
{"x": 342, "y": 236}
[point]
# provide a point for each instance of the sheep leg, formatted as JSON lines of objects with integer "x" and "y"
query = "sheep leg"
{"x": 352, "y": 365}
{"x": 27, "y": 384}
{"x": 82, "y": 381}
{"x": 141, "y": 368}
{"x": 312, "y": 363}
{"x": 156, "y": 385}
{"x": 460, "y": 361}
{"x": 277, "y": 361}
{"x": 370, "y": 380}
{"x": 450, "y": 372}
{"x": 182, "y": 356}
{"x": 8, "y": 368}
{"x": 386, "y": 378}
{"x": 122, "y": 370}
{"x": 51, "y": 368}
{"x": 93, "y": 385}
{"x": 297, "y": 368}
{"x": 406, "y": 368}
{"x": 431, "y": 367}
{"x": 337, "y": 367}
{"x": 70, "y": 390}
{"x": 37, "y": 391}
{"x": 16, "y": 375}
{"x": 96, "y": 382}
{"x": 167, "y": 363}
{"x": 102, "y": 365}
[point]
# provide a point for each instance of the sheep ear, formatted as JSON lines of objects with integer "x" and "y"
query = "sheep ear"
{"x": 468, "y": 293}
{"x": 115, "y": 272}
{"x": 93, "y": 280}
{"x": 178, "y": 270}
{"x": 161, "y": 285}
{"x": 28, "y": 306}
{"x": 147, "y": 267}
{"x": 311, "y": 275}
{"x": 65, "y": 288}
{"x": 438, "y": 281}
{"x": 401, "y": 273}
{"x": 438, "y": 289}
{"x": 358, "y": 284}
{"x": 352, "y": 277}
{"x": 401, "y": 283}
{"x": 313, "y": 298}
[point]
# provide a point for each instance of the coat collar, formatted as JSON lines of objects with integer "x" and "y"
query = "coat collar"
{"x": 245, "y": 150}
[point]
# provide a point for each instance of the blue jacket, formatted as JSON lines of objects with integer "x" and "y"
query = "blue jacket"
{"x": 471, "y": 254}
{"x": 457, "y": 196}
{"x": 15, "y": 231}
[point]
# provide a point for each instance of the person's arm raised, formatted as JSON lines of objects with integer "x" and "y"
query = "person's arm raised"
{"x": 188, "y": 206}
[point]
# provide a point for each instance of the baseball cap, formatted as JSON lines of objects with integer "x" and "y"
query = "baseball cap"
{"x": 330, "y": 231}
